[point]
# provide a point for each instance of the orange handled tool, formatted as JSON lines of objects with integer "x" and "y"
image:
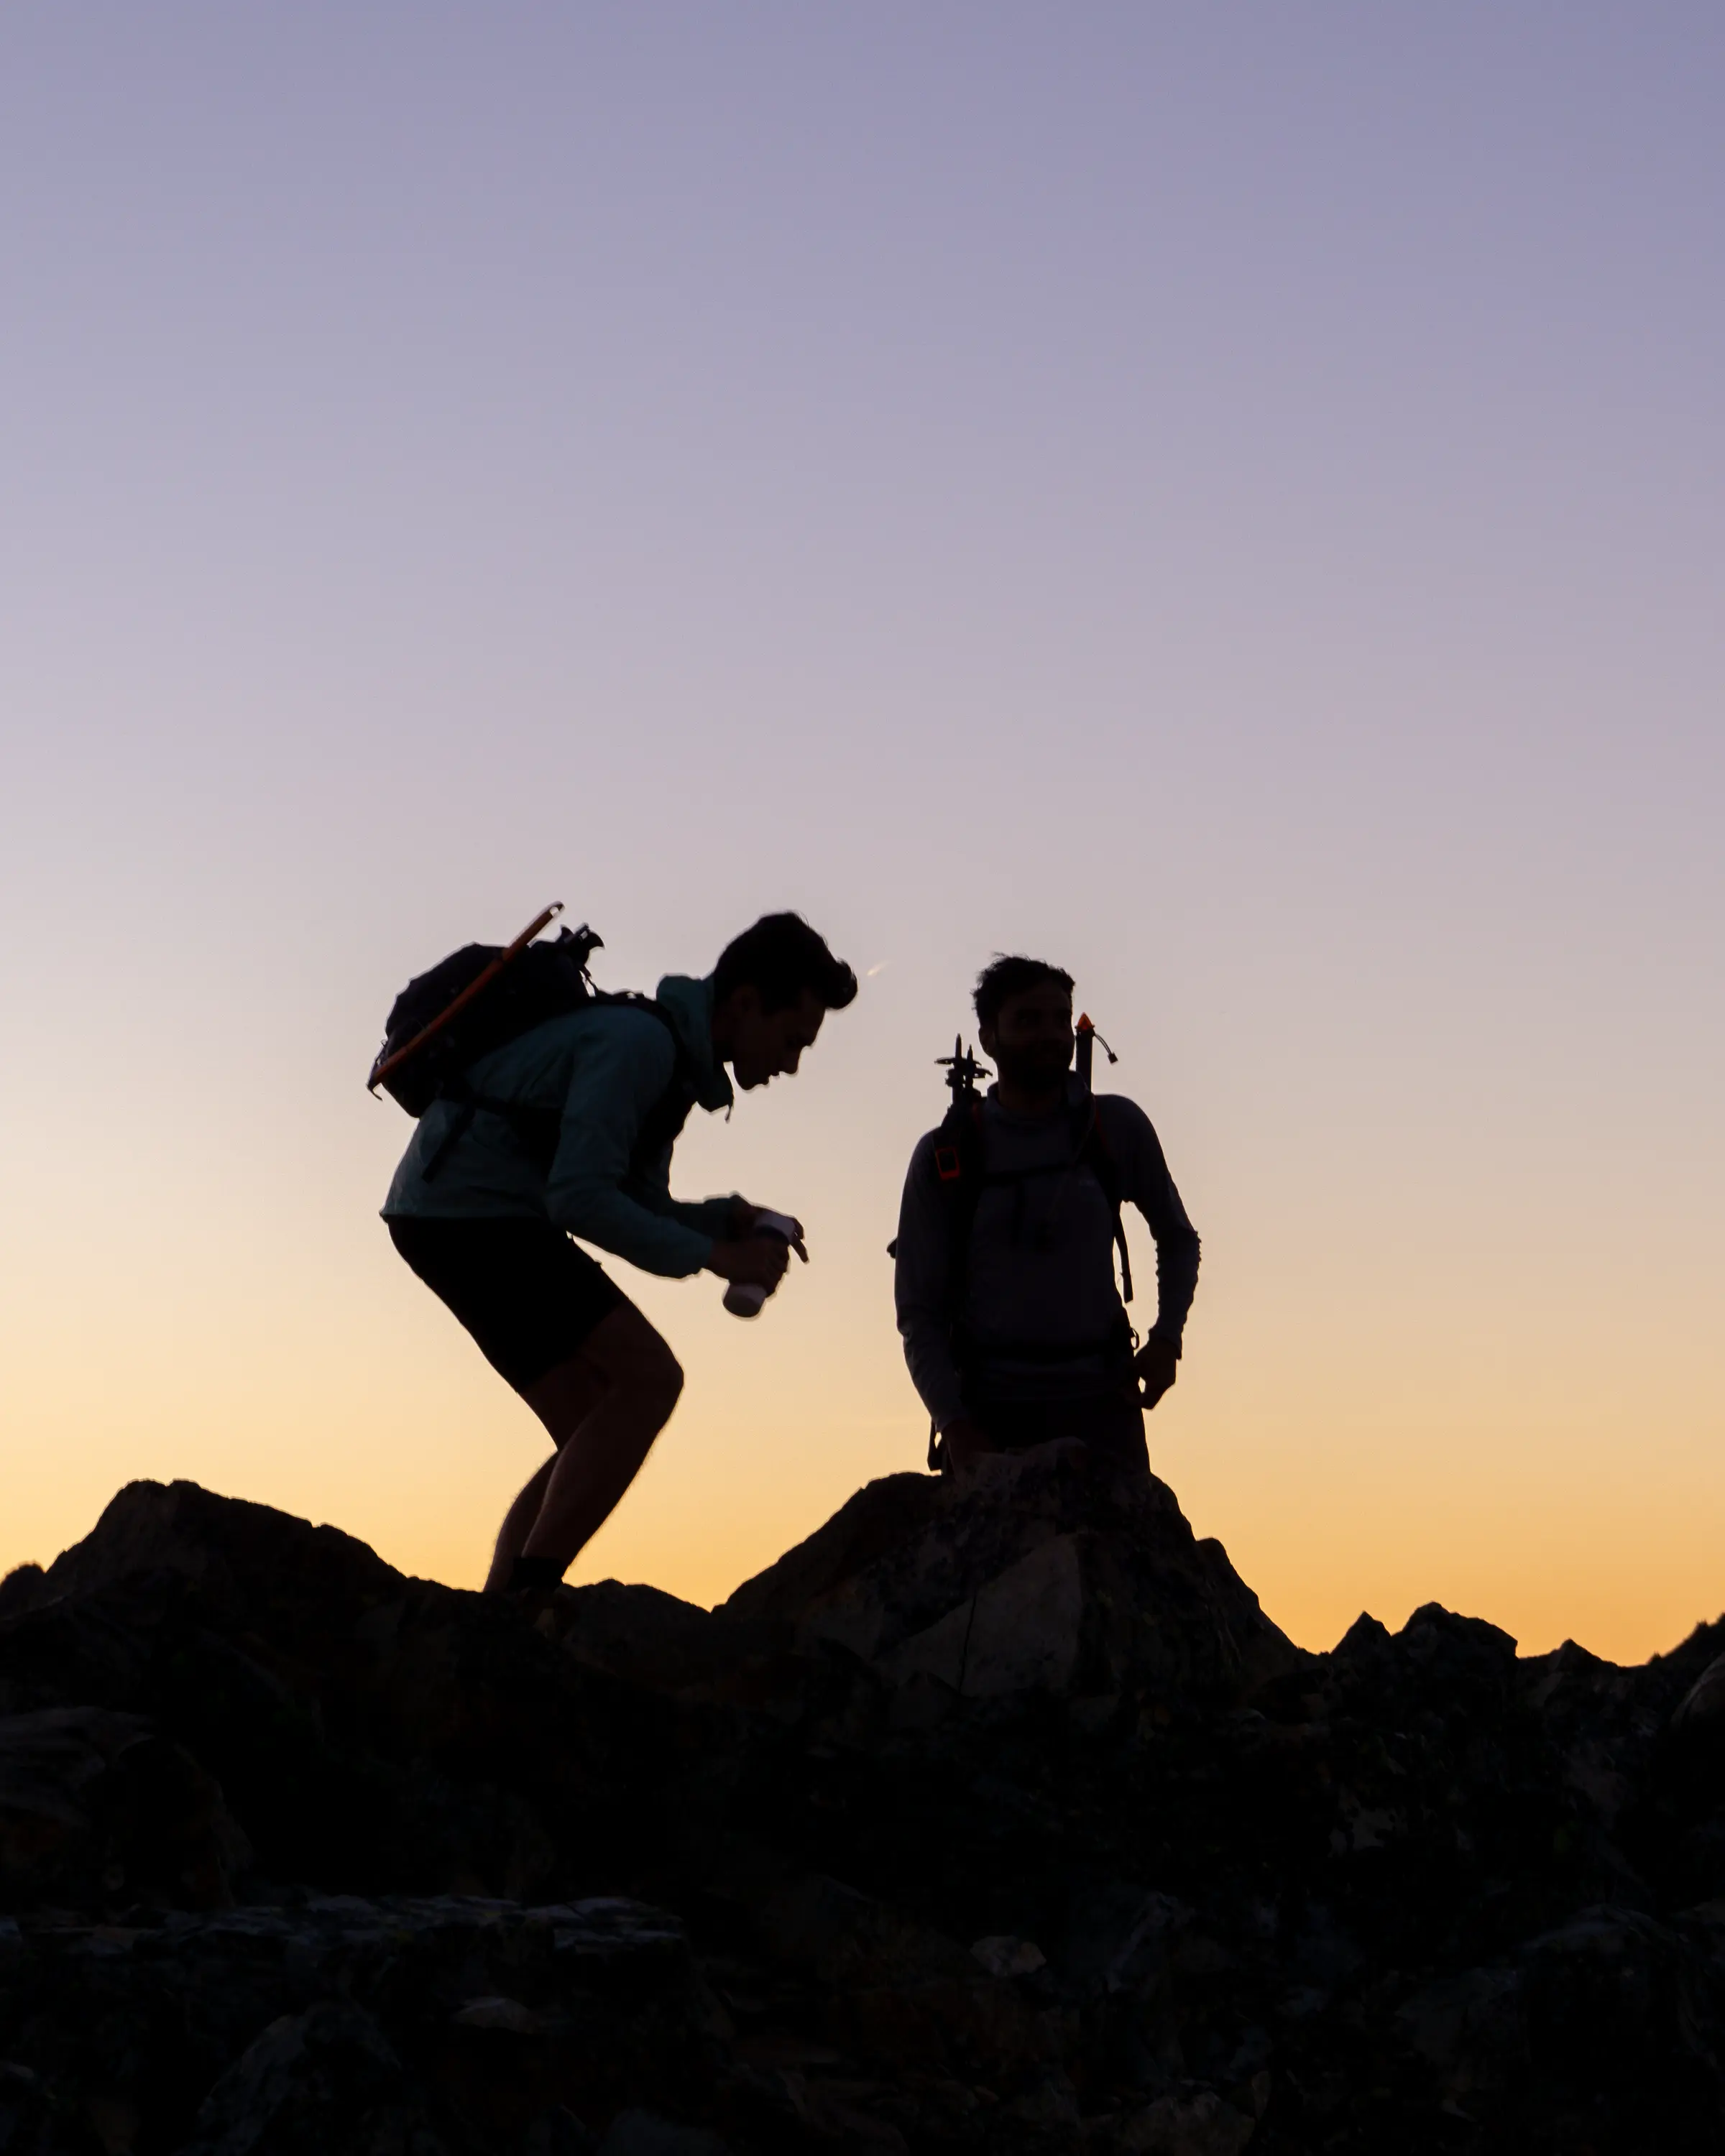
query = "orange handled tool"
{"x": 384, "y": 1064}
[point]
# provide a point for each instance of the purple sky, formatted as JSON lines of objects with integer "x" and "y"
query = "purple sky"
{"x": 1232, "y": 499}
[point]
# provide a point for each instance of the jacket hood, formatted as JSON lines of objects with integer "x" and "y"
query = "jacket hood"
{"x": 689, "y": 1005}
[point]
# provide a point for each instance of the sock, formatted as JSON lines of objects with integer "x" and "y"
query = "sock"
{"x": 536, "y": 1572}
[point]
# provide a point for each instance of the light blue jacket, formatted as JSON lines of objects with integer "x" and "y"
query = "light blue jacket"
{"x": 601, "y": 1068}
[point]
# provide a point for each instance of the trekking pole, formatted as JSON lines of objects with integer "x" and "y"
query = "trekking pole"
{"x": 384, "y": 1064}
{"x": 963, "y": 1071}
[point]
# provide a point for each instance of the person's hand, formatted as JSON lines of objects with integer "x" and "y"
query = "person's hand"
{"x": 754, "y": 1260}
{"x": 744, "y": 1215}
{"x": 965, "y": 1440}
{"x": 1155, "y": 1367}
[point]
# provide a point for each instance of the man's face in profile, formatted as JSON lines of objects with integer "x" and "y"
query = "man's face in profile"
{"x": 1030, "y": 1042}
{"x": 763, "y": 1045}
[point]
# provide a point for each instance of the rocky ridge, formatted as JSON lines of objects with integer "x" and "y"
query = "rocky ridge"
{"x": 995, "y": 1816}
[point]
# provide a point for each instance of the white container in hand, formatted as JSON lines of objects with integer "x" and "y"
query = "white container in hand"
{"x": 743, "y": 1298}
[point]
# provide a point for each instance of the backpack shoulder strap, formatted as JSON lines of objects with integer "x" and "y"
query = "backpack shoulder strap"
{"x": 1091, "y": 1149}
{"x": 663, "y": 1123}
{"x": 958, "y": 1144}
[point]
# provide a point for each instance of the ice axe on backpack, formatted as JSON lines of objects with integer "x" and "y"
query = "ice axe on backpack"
{"x": 1085, "y": 1033}
{"x": 388, "y": 1061}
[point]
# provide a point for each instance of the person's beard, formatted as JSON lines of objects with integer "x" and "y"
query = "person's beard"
{"x": 1038, "y": 1069}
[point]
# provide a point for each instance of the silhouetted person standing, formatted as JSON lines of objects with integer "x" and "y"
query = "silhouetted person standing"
{"x": 1013, "y": 1327}
{"x": 485, "y": 1215}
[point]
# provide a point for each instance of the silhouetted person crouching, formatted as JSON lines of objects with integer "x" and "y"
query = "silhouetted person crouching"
{"x": 567, "y": 1131}
{"x": 1013, "y": 1327}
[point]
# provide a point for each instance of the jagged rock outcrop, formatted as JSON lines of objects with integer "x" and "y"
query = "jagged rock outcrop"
{"x": 994, "y": 1816}
{"x": 1029, "y": 1575}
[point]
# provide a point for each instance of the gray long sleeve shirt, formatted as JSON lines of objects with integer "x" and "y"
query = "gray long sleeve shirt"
{"x": 1039, "y": 1277}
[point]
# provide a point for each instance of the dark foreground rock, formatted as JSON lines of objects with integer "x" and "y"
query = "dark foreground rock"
{"x": 993, "y": 1817}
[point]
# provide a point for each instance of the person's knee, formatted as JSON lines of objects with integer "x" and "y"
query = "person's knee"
{"x": 652, "y": 1373}
{"x": 638, "y": 1363}
{"x": 662, "y": 1383}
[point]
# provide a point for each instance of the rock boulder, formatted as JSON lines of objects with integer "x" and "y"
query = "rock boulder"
{"x": 1036, "y": 1571}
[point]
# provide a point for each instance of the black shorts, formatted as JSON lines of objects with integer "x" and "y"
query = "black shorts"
{"x": 528, "y": 1296}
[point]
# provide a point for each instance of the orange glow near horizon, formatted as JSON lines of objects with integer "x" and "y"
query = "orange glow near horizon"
{"x": 1343, "y": 1466}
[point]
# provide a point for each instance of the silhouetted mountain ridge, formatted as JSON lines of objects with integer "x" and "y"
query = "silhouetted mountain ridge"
{"x": 994, "y": 1815}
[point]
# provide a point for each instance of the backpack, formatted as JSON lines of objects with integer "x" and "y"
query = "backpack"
{"x": 473, "y": 1001}
{"x": 959, "y": 1164}
{"x": 486, "y": 995}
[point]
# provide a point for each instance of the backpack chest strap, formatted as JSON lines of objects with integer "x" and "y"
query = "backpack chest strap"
{"x": 962, "y": 1173}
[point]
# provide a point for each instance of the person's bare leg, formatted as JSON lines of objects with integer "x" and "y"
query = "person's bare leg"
{"x": 562, "y": 1400}
{"x": 603, "y": 1454}
{"x": 517, "y": 1525}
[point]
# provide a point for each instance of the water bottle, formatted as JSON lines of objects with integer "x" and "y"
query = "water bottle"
{"x": 743, "y": 1298}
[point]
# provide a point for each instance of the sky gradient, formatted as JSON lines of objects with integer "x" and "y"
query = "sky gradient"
{"x": 1233, "y": 501}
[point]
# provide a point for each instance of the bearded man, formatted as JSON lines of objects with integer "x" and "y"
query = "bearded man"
{"x": 1013, "y": 1326}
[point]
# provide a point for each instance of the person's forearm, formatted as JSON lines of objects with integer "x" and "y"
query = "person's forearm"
{"x": 928, "y": 1355}
{"x": 1177, "y": 1258}
{"x": 604, "y": 1215}
{"x": 707, "y": 1216}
